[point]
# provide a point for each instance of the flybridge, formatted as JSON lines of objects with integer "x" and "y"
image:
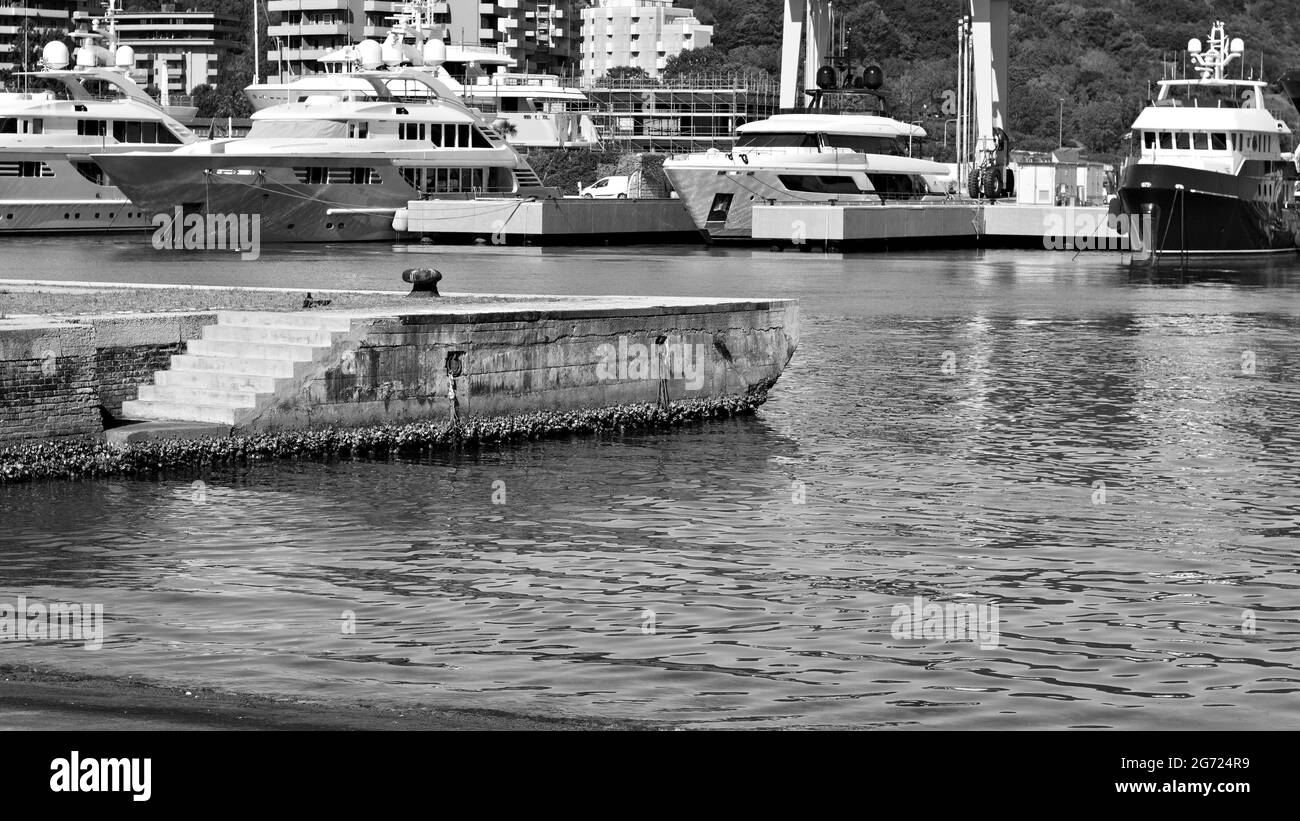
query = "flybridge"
{"x": 1211, "y": 61}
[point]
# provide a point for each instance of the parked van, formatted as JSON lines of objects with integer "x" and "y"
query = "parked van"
{"x": 607, "y": 188}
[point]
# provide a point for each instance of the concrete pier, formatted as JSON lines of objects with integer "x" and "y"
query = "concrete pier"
{"x": 569, "y": 221}
{"x": 951, "y": 224}
{"x": 264, "y": 371}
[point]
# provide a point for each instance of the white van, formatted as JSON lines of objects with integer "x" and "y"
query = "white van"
{"x": 607, "y": 188}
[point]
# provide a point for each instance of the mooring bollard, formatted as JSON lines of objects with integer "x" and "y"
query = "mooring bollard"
{"x": 311, "y": 302}
{"x": 424, "y": 281}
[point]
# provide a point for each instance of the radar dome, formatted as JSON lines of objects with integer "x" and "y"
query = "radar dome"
{"x": 55, "y": 55}
{"x": 435, "y": 53}
{"x": 124, "y": 57}
{"x": 1194, "y": 45}
{"x": 872, "y": 77}
{"x": 371, "y": 54}
{"x": 826, "y": 77}
{"x": 1238, "y": 46}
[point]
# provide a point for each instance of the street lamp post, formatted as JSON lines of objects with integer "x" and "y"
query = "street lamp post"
{"x": 1060, "y": 129}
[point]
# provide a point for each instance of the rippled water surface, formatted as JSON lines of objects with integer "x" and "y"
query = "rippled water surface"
{"x": 940, "y": 433}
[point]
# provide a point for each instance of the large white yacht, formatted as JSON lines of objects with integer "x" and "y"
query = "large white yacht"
{"x": 48, "y": 180}
{"x": 335, "y": 169}
{"x": 810, "y": 157}
{"x": 1208, "y": 163}
{"x": 530, "y": 110}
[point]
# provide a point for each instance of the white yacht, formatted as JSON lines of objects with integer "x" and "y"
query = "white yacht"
{"x": 48, "y": 179}
{"x": 810, "y": 157}
{"x": 1207, "y": 162}
{"x": 335, "y": 169}
{"x": 530, "y": 110}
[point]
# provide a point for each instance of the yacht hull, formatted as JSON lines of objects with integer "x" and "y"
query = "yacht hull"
{"x": 65, "y": 201}
{"x": 721, "y": 198}
{"x": 1212, "y": 213}
{"x": 267, "y": 187}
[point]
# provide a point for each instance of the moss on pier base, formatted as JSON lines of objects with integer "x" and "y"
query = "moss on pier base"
{"x": 82, "y": 460}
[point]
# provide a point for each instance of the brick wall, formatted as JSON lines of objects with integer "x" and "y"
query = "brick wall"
{"x": 54, "y": 376}
{"x": 47, "y": 383}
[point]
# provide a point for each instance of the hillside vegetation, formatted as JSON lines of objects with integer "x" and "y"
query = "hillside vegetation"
{"x": 1101, "y": 57}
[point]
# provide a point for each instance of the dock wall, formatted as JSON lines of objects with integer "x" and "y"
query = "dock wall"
{"x": 56, "y": 375}
{"x": 390, "y": 370}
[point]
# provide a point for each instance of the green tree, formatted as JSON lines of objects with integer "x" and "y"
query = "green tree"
{"x": 624, "y": 74}
{"x": 695, "y": 62}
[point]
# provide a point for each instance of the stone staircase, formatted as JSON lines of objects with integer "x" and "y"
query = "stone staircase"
{"x": 225, "y": 377}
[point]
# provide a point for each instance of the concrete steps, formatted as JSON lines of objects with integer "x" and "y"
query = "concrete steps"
{"x": 239, "y": 362}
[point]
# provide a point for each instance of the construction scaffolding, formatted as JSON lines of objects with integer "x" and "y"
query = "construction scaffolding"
{"x": 682, "y": 115}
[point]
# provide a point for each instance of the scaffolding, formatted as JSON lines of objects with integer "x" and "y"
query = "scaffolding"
{"x": 682, "y": 115}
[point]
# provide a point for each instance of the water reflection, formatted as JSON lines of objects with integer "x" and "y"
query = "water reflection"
{"x": 771, "y": 550}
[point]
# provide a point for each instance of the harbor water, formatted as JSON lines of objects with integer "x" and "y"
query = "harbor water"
{"x": 1110, "y": 458}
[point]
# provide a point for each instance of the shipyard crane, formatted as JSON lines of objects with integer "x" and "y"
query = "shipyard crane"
{"x": 983, "y": 149}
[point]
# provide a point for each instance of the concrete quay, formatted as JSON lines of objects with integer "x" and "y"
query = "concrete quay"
{"x": 235, "y": 372}
{"x": 955, "y": 224}
{"x": 568, "y": 221}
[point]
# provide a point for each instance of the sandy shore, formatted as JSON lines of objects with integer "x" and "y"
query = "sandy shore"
{"x": 34, "y": 699}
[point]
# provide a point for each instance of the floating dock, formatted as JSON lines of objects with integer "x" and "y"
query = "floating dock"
{"x": 1048, "y": 227}
{"x": 568, "y": 221}
{"x": 812, "y": 225}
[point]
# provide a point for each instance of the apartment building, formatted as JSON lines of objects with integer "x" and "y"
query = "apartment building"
{"x": 19, "y": 19}
{"x": 538, "y": 36}
{"x": 186, "y": 46}
{"x": 641, "y": 33}
{"x": 303, "y": 31}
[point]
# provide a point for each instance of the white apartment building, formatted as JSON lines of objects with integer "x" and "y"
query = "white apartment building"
{"x": 18, "y": 21}
{"x": 642, "y": 33}
{"x": 539, "y": 36}
{"x": 303, "y": 31}
{"x": 185, "y": 46}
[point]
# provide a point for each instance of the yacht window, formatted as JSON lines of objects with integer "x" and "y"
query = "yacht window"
{"x": 25, "y": 169}
{"x": 897, "y": 186}
{"x": 777, "y": 141}
{"x": 480, "y": 139}
{"x": 92, "y": 172}
{"x": 820, "y": 184}
{"x": 92, "y": 128}
{"x": 411, "y": 131}
{"x": 462, "y": 135}
{"x": 1166, "y": 140}
{"x": 1219, "y": 141}
{"x": 1183, "y": 140}
{"x": 1201, "y": 141}
{"x": 8, "y": 125}
{"x": 867, "y": 144}
{"x": 435, "y": 134}
{"x": 1149, "y": 139}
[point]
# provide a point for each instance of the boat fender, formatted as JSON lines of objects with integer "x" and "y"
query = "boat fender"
{"x": 401, "y": 219}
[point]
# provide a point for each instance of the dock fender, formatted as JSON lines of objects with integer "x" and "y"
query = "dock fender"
{"x": 1113, "y": 214}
